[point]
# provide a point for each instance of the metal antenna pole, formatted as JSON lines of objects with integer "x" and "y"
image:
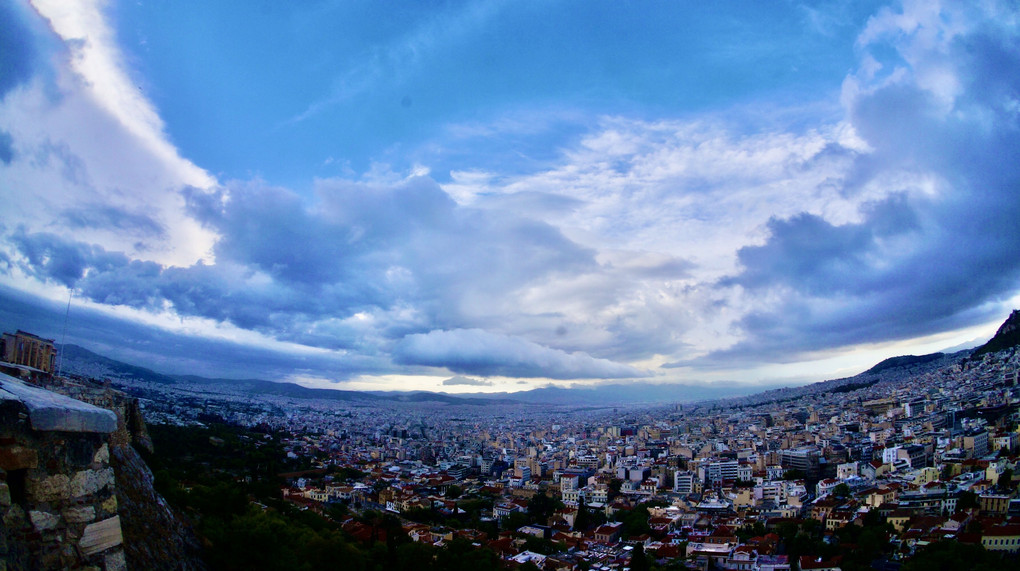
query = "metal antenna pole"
{"x": 63, "y": 338}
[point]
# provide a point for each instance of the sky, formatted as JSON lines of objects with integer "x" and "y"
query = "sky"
{"x": 496, "y": 196}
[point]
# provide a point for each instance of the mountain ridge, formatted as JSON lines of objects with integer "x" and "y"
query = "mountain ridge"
{"x": 1006, "y": 337}
{"x": 81, "y": 361}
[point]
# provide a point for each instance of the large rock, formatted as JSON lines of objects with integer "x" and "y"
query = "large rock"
{"x": 89, "y": 482}
{"x": 50, "y": 489}
{"x": 155, "y": 537}
{"x": 101, "y": 536}
{"x": 48, "y": 410}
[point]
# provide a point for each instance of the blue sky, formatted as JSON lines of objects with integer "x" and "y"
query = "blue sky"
{"x": 293, "y": 87}
{"x": 510, "y": 194}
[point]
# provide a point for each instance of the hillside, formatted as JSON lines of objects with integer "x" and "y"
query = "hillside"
{"x": 904, "y": 361}
{"x": 1007, "y": 336}
{"x": 80, "y": 361}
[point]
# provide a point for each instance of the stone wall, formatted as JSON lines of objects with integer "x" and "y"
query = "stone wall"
{"x": 45, "y": 440}
{"x": 58, "y": 497}
{"x": 131, "y": 428}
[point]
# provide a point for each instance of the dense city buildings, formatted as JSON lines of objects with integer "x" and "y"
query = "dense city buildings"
{"x": 931, "y": 451}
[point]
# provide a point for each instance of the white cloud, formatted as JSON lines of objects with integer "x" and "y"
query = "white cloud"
{"x": 92, "y": 158}
{"x": 609, "y": 254}
{"x": 99, "y": 65}
{"x": 466, "y": 381}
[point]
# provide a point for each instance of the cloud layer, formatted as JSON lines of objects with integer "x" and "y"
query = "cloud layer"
{"x": 940, "y": 114}
{"x": 627, "y": 245}
{"x": 478, "y": 352}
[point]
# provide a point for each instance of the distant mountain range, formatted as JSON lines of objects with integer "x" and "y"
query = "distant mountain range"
{"x": 630, "y": 393}
{"x": 77, "y": 360}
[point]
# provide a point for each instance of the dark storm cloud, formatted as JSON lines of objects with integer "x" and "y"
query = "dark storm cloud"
{"x": 473, "y": 351}
{"x": 365, "y": 246}
{"x": 165, "y": 351}
{"x": 269, "y": 229}
{"x": 292, "y": 272}
{"x": 52, "y": 258}
{"x": 920, "y": 262}
{"x": 808, "y": 254}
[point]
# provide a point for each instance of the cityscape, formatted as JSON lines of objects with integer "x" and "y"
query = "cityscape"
{"x": 490, "y": 285}
{"x": 921, "y": 449}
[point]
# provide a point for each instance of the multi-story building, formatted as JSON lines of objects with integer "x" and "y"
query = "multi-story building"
{"x": 683, "y": 482}
{"x": 1002, "y": 538}
{"x": 718, "y": 472}
{"x": 975, "y": 442}
{"x": 804, "y": 459}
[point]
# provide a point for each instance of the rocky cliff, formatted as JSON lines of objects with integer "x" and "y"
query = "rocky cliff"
{"x": 1007, "y": 337}
{"x": 74, "y": 492}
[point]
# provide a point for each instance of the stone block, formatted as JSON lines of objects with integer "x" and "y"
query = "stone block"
{"x": 5, "y": 494}
{"x": 43, "y": 521}
{"x": 80, "y": 514}
{"x": 102, "y": 455}
{"x": 115, "y": 562}
{"x": 14, "y": 457}
{"x": 51, "y": 488}
{"x": 88, "y": 482}
{"x": 49, "y": 411}
{"x": 109, "y": 505}
{"x": 100, "y": 536}
{"x": 14, "y": 517}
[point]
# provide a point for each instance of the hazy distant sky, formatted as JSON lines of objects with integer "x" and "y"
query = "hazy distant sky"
{"x": 500, "y": 195}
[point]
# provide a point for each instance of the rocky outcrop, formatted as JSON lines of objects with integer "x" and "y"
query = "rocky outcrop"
{"x": 1007, "y": 337}
{"x": 154, "y": 536}
{"x": 58, "y": 502}
{"x": 74, "y": 492}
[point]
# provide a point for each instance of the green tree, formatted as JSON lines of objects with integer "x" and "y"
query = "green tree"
{"x": 748, "y": 531}
{"x": 614, "y": 487}
{"x": 338, "y": 511}
{"x": 636, "y": 522}
{"x": 967, "y": 500}
{"x": 415, "y": 555}
{"x": 348, "y": 474}
{"x": 841, "y": 491}
{"x": 515, "y": 520}
{"x": 541, "y": 507}
{"x": 638, "y": 559}
{"x": 1005, "y": 481}
{"x": 951, "y": 555}
{"x": 587, "y": 519}
{"x": 460, "y": 555}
